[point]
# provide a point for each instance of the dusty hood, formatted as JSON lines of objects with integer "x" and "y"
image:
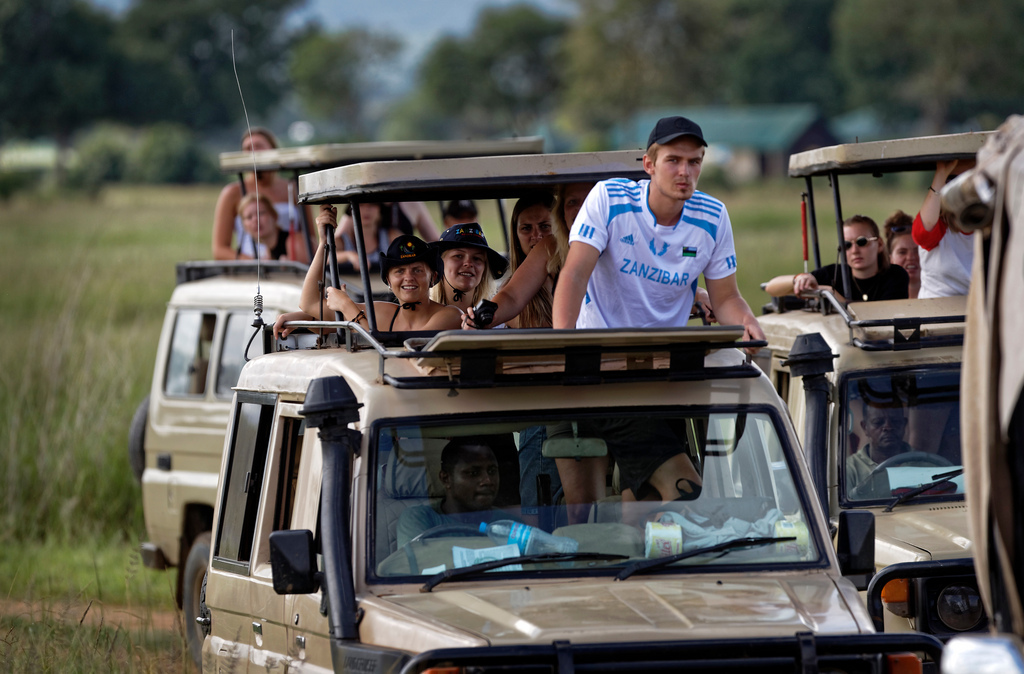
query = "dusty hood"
{"x": 921, "y": 532}
{"x": 642, "y": 609}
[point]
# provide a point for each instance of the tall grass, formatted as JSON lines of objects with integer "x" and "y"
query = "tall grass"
{"x": 82, "y": 291}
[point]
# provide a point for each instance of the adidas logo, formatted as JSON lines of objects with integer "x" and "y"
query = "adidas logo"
{"x": 628, "y": 239}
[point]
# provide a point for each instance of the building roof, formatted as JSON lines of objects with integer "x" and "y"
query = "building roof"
{"x": 766, "y": 128}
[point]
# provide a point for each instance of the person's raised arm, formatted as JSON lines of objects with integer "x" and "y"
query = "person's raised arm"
{"x": 419, "y": 216}
{"x": 224, "y": 223}
{"x": 932, "y": 206}
{"x": 525, "y": 283}
{"x": 572, "y": 285}
{"x": 731, "y": 308}
{"x": 309, "y": 300}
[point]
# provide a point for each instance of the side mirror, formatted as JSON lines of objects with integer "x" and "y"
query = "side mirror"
{"x": 855, "y": 546}
{"x": 293, "y": 562}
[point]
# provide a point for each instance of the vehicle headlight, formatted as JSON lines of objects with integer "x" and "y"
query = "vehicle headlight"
{"x": 959, "y": 607}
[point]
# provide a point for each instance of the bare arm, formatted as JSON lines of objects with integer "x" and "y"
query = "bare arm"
{"x": 224, "y": 222}
{"x": 280, "y": 331}
{"x": 309, "y": 301}
{"x": 731, "y": 308}
{"x": 524, "y": 284}
{"x": 790, "y": 285}
{"x": 419, "y": 216}
{"x": 572, "y": 285}
{"x": 932, "y": 206}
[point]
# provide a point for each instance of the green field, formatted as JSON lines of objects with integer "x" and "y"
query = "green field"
{"x": 82, "y": 291}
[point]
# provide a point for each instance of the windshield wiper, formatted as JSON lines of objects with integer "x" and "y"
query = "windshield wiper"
{"x": 939, "y": 479}
{"x": 451, "y": 574}
{"x": 727, "y": 546}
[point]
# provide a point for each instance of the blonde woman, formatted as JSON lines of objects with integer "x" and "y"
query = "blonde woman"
{"x": 469, "y": 267}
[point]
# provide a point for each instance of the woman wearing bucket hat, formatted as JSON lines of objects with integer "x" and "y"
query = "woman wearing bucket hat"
{"x": 409, "y": 267}
{"x": 468, "y": 267}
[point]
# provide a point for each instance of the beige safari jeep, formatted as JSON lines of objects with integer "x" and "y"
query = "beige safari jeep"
{"x": 333, "y": 549}
{"x": 835, "y": 362}
{"x": 177, "y": 434}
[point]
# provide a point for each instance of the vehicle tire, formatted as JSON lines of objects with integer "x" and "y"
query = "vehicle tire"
{"x": 137, "y": 439}
{"x": 193, "y": 598}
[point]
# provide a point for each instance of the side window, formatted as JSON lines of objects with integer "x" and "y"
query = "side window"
{"x": 189, "y": 360}
{"x": 232, "y": 353}
{"x": 250, "y": 438}
{"x": 288, "y": 478}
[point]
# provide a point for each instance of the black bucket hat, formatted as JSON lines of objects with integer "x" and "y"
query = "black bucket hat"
{"x": 470, "y": 235}
{"x": 407, "y": 249}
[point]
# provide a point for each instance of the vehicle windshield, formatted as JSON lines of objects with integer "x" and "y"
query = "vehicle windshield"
{"x": 453, "y": 495}
{"x": 902, "y": 430}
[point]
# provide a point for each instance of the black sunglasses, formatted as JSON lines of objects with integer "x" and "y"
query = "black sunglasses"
{"x": 899, "y": 229}
{"x": 861, "y": 241}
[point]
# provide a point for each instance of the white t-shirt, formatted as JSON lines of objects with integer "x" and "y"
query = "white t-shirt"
{"x": 946, "y": 258}
{"x": 647, "y": 273}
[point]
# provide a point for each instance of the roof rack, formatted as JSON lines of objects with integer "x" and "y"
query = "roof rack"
{"x": 202, "y": 269}
{"x": 530, "y": 357}
{"x": 906, "y": 330}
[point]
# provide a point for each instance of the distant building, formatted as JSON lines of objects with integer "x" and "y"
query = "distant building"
{"x": 749, "y": 141}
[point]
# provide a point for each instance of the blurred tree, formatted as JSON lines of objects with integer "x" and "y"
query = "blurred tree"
{"x": 937, "y": 61}
{"x": 780, "y": 52}
{"x": 334, "y": 74}
{"x": 500, "y": 79}
{"x": 185, "y": 48}
{"x": 627, "y": 54}
{"x": 55, "y": 67}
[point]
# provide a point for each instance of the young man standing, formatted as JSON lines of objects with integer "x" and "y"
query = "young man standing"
{"x": 637, "y": 249}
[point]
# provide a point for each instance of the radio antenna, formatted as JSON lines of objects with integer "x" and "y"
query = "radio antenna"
{"x": 257, "y": 302}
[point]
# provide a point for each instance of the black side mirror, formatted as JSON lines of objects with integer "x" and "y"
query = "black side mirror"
{"x": 293, "y": 562}
{"x": 855, "y": 546}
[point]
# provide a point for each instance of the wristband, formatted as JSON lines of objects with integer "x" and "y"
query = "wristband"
{"x": 932, "y": 189}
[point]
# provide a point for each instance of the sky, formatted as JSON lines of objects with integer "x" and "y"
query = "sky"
{"x": 417, "y": 22}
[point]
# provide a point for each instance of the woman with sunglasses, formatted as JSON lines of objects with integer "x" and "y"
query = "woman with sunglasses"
{"x": 902, "y": 249}
{"x": 873, "y": 278}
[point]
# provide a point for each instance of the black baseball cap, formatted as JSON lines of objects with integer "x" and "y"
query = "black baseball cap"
{"x": 469, "y": 235}
{"x": 669, "y": 128}
{"x": 407, "y": 249}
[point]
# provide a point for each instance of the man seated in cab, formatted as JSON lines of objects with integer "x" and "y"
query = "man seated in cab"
{"x": 471, "y": 480}
{"x": 885, "y": 426}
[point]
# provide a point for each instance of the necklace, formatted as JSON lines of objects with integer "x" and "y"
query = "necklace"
{"x": 863, "y": 294}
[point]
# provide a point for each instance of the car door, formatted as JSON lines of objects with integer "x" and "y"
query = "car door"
{"x": 230, "y": 582}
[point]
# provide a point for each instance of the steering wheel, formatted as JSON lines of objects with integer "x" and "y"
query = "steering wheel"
{"x": 926, "y": 458}
{"x": 442, "y": 530}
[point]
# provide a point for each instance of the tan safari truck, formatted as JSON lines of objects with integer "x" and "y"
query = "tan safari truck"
{"x": 988, "y": 201}
{"x": 177, "y": 434}
{"x": 837, "y": 364}
{"x": 333, "y": 549}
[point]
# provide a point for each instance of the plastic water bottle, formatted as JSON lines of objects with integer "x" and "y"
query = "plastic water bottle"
{"x": 530, "y": 540}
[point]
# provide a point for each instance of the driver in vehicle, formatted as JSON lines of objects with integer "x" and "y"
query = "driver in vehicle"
{"x": 885, "y": 427}
{"x": 470, "y": 476}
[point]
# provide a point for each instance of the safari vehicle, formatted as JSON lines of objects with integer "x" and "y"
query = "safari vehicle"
{"x": 335, "y": 461}
{"x": 836, "y": 363}
{"x": 987, "y": 199}
{"x": 177, "y": 434}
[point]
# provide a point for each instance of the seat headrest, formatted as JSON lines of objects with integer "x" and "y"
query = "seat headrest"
{"x": 412, "y": 468}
